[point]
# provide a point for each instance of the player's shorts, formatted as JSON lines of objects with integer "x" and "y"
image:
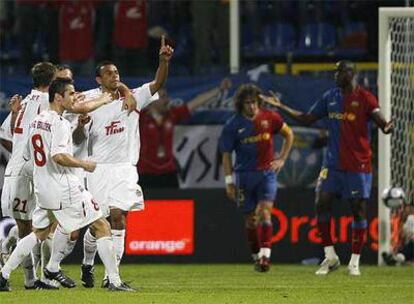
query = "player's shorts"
{"x": 115, "y": 186}
{"x": 17, "y": 197}
{"x": 349, "y": 185}
{"x": 77, "y": 215}
{"x": 253, "y": 187}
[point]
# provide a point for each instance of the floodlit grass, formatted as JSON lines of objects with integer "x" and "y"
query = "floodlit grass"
{"x": 160, "y": 283}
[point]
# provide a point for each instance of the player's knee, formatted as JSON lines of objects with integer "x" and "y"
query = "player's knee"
{"x": 101, "y": 228}
{"x": 41, "y": 234}
{"x": 117, "y": 219}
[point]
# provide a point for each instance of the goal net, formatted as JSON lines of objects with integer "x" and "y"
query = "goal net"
{"x": 396, "y": 95}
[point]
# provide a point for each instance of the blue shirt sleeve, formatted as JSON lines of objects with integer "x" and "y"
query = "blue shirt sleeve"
{"x": 227, "y": 139}
{"x": 320, "y": 107}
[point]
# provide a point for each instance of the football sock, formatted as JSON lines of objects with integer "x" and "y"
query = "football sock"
{"x": 89, "y": 248}
{"x": 265, "y": 239}
{"x": 107, "y": 254}
{"x": 10, "y": 240}
{"x": 253, "y": 241}
{"x": 324, "y": 227}
{"x": 118, "y": 237}
{"x": 60, "y": 243}
{"x": 359, "y": 229}
{"x": 22, "y": 250}
{"x": 46, "y": 251}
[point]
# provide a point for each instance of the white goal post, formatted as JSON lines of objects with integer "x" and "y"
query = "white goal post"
{"x": 396, "y": 97}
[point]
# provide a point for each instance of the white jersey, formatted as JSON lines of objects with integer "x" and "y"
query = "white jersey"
{"x": 55, "y": 186}
{"x": 32, "y": 105}
{"x": 113, "y": 135}
{"x": 5, "y": 129}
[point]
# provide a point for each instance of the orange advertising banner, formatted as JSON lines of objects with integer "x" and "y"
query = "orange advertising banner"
{"x": 165, "y": 227}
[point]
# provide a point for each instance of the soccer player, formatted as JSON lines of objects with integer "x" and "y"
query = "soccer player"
{"x": 113, "y": 136}
{"x": 58, "y": 191}
{"x": 249, "y": 133}
{"x": 348, "y": 109}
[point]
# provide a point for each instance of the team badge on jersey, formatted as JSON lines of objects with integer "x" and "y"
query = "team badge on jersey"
{"x": 264, "y": 123}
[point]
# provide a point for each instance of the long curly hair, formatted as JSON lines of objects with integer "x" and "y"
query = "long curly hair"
{"x": 244, "y": 91}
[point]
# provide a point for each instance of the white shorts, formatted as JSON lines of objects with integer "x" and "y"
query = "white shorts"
{"x": 17, "y": 197}
{"x": 78, "y": 215}
{"x": 115, "y": 186}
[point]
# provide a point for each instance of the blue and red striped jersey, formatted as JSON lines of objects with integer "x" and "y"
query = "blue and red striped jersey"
{"x": 252, "y": 140}
{"x": 348, "y": 120}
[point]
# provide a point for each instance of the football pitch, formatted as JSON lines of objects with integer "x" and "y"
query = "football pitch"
{"x": 227, "y": 283}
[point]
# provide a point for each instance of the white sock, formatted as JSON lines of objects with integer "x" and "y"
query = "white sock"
{"x": 59, "y": 243}
{"x": 46, "y": 251}
{"x": 354, "y": 259}
{"x": 10, "y": 240}
{"x": 69, "y": 247}
{"x": 89, "y": 248}
{"x": 255, "y": 257}
{"x": 118, "y": 237}
{"x": 265, "y": 252}
{"x": 23, "y": 249}
{"x": 330, "y": 253}
{"x": 106, "y": 252}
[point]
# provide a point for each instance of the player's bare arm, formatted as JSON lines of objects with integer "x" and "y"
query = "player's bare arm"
{"x": 78, "y": 134}
{"x": 91, "y": 105}
{"x": 165, "y": 55}
{"x": 15, "y": 106}
{"x": 205, "y": 97}
{"x": 68, "y": 160}
{"x": 385, "y": 126}
{"x": 287, "y": 134}
{"x": 304, "y": 118}
{"x": 228, "y": 173}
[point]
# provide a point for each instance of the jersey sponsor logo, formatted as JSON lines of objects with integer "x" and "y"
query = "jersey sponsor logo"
{"x": 114, "y": 128}
{"x": 256, "y": 138}
{"x": 342, "y": 116}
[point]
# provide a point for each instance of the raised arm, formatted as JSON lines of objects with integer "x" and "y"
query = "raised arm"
{"x": 287, "y": 134}
{"x": 228, "y": 176}
{"x": 378, "y": 118}
{"x": 165, "y": 55}
{"x": 302, "y": 117}
{"x": 205, "y": 97}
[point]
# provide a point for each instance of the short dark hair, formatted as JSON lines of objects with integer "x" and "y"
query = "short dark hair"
{"x": 42, "y": 74}
{"x": 101, "y": 65}
{"x": 58, "y": 86}
{"x": 61, "y": 67}
{"x": 244, "y": 91}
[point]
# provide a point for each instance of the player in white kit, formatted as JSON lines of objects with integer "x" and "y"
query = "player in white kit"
{"x": 59, "y": 193}
{"x": 113, "y": 140}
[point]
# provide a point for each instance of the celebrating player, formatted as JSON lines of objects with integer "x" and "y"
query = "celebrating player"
{"x": 58, "y": 190}
{"x": 113, "y": 136}
{"x": 347, "y": 167}
{"x": 250, "y": 134}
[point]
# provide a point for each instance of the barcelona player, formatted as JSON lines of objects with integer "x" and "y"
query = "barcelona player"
{"x": 347, "y": 171}
{"x": 249, "y": 133}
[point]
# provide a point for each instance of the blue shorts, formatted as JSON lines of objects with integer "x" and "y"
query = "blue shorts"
{"x": 349, "y": 185}
{"x": 255, "y": 186}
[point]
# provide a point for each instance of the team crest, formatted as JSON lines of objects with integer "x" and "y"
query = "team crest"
{"x": 355, "y": 104}
{"x": 264, "y": 124}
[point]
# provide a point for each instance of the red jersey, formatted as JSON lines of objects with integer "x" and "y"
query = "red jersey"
{"x": 76, "y": 26}
{"x": 131, "y": 24}
{"x": 156, "y": 156}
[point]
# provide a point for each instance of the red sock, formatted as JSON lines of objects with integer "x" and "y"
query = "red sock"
{"x": 266, "y": 235}
{"x": 358, "y": 239}
{"x": 253, "y": 239}
{"x": 324, "y": 228}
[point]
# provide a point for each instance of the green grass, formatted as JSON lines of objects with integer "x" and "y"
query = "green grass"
{"x": 160, "y": 283}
